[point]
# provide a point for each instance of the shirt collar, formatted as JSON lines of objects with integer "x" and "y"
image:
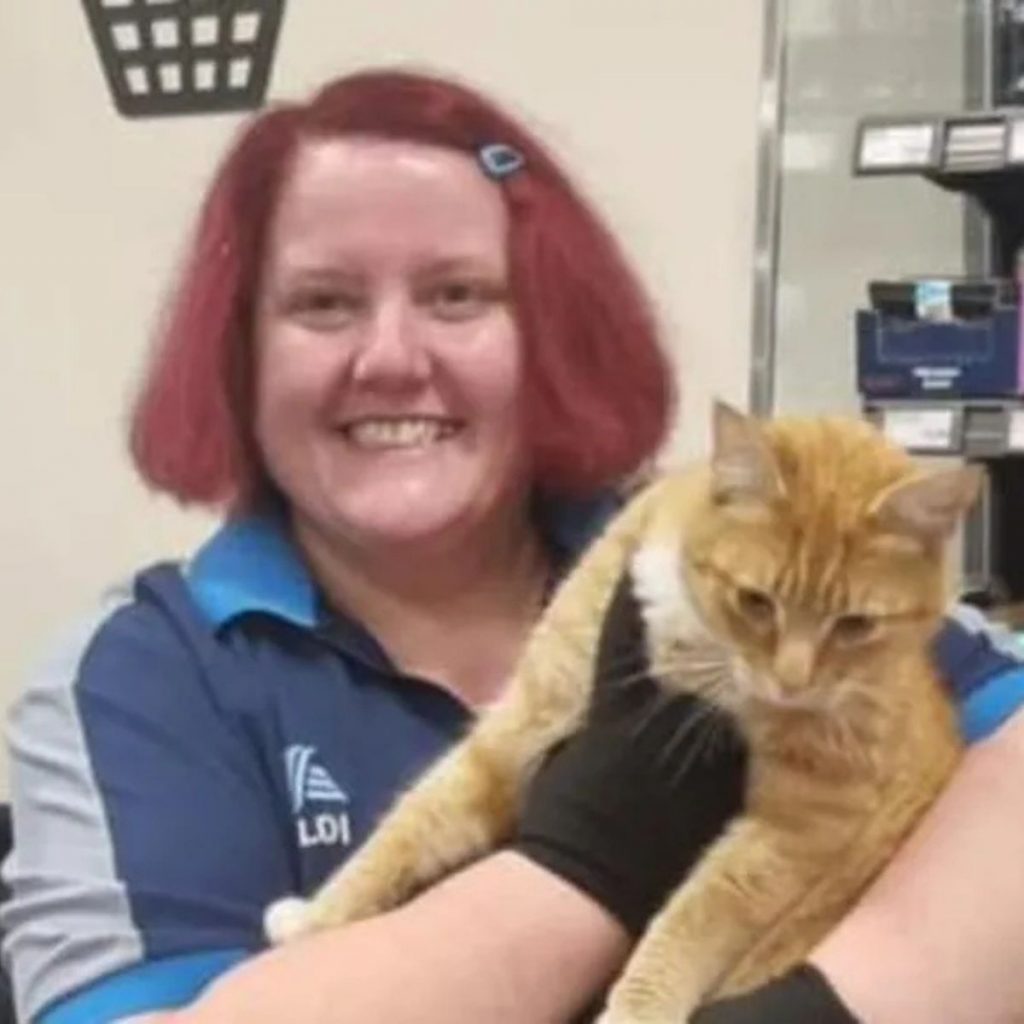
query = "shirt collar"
{"x": 251, "y": 564}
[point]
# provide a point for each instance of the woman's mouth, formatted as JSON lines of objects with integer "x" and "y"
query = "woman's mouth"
{"x": 399, "y": 431}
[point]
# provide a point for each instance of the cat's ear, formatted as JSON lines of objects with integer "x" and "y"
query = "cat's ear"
{"x": 928, "y": 507}
{"x": 743, "y": 465}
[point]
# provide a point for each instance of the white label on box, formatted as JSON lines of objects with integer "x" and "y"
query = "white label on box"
{"x": 923, "y": 430}
{"x": 1015, "y": 431}
{"x": 1015, "y": 148}
{"x": 897, "y": 145}
{"x": 934, "y": 300}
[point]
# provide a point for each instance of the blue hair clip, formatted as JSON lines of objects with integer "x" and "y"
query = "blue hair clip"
{"x": 500, "y": 161}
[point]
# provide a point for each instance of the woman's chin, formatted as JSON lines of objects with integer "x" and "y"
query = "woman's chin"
{"x": 388, "y": 532}
{"x": 418, "y": 508}
{"x": 389, "y": 524}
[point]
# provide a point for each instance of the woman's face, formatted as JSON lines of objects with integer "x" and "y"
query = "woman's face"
{"x": 389, "y": 364}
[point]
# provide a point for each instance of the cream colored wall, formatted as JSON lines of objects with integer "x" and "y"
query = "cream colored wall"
{"x": 651, "y": 102}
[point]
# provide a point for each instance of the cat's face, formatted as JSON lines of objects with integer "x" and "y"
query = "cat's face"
{"x": 818, "y": 557}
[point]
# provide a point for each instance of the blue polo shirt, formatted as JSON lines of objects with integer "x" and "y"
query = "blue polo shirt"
{"x": 211, "y": 740}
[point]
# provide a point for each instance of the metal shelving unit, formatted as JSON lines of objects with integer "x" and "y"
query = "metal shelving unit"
{"x": 979, "y": 429}
{"x": 925, "y": 88}
{"x": 979, "y": 154}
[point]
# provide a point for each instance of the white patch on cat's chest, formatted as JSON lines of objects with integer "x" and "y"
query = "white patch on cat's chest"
{"x": 659, "y": 588}
{"x": 681, "y": 648}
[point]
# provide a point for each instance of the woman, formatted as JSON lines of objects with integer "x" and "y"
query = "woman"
{"x": 413, "y": 367}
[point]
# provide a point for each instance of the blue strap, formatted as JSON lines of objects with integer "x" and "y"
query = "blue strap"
{"x": 988, "y": 706}
{"x": 167, "y": 984}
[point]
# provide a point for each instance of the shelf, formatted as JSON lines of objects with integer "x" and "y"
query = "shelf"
{"x": 974, "y": 428}
{"x": 979, "y": 153}
{"x": 962, "y": 144}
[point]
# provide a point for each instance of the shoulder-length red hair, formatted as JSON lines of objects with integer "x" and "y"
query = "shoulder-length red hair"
{"x": 598, "y": 389}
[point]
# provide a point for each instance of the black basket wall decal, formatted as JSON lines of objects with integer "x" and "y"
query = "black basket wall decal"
{"x": 185, "y": 56}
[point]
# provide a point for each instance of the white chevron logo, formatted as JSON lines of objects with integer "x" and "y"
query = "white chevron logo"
{"x": 309, "y": 781}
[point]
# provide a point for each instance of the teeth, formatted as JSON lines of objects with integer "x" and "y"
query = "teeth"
{"x": 398, "y": 433}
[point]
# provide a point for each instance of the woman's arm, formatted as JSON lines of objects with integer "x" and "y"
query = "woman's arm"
{"x": 939, "y": 936}
{"x": 514, "y": 939}
{"x": 503, "y": 941}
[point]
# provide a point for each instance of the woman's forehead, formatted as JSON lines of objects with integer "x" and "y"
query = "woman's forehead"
{"x": 367, "y": 196}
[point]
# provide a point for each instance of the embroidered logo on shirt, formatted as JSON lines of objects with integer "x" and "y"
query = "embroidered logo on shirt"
{"x": 310, "y": 785}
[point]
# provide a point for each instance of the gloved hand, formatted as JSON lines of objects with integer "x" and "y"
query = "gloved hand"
{"x": 803, "y": 996}
{"x": 624, "y": 808}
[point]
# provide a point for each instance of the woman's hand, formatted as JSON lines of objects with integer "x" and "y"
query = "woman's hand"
{"x": 802, "y": 996}
{"x": 625, "y": 807}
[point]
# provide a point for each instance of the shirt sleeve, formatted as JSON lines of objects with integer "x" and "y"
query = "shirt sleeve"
{"x": 983, "y": 663}
{"x": 146, "y": 840}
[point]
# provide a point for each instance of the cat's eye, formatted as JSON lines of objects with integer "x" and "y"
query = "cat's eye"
{"x": 756, "y": 605}
{"x": 853, "y": 629}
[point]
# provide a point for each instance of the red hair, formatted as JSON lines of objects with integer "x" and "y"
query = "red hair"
{"x": 598, "y": 389}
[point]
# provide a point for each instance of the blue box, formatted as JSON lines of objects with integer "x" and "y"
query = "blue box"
{"x": 906, "y": 357}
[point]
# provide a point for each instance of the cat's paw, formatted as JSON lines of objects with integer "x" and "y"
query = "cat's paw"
{"x": 287, "y": 919}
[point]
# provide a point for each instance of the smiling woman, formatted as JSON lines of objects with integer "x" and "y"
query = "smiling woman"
{"x": 411, "y": 366}
{"x": 596, "y": 391}
{"x": 389, "y": 361}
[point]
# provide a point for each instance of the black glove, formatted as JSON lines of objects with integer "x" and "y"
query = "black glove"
{"x": 624, "y": 807}
{"x": 803, "y": 996}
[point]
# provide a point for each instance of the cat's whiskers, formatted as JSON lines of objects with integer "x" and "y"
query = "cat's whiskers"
{"x": 633, "y": 678}
{"x": 717, "y": 730}
{"x": 684, "y": 674}
{"x": 714, "y": 681}
{"x": 659, "y": 702}
{"x": 708, "y": 725}
{"x": 682, "y": 730}
{"x": 635, "y": 674}
{"x": 703, "y": 676}
{"x": 708, "y": 682}
{"x": 683, "y": 663}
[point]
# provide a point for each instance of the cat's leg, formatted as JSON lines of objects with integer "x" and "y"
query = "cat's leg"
{"x": 745, "y": 882}
{"x": 925, "y": 769}
{"x": 463, "y": 807}
{"x": 467, "y": 803}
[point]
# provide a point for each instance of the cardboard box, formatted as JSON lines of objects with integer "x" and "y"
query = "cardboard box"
{"x": 940, "y": 339}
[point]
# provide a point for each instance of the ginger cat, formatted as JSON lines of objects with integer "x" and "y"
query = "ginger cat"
{"x": 795, "y": 580}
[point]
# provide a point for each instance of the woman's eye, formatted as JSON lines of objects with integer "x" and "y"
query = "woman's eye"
{"x": 324, "y": 307}
{"x": 756, "y": 605}
{"x": 853, "y": 629}
{"x": 321, "y": 300}
{"x": 461, "y": 300}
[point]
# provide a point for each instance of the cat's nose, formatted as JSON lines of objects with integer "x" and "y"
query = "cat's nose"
{"x": 793, "y": 669}
{"x": 785, "y": 697}
{"x": 792, "y": 685}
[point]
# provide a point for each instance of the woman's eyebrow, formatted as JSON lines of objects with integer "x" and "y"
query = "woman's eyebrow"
{"x": 468, "y": 261}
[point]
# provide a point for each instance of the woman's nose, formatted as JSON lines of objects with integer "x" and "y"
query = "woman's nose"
{"x": 392, "y": 349}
